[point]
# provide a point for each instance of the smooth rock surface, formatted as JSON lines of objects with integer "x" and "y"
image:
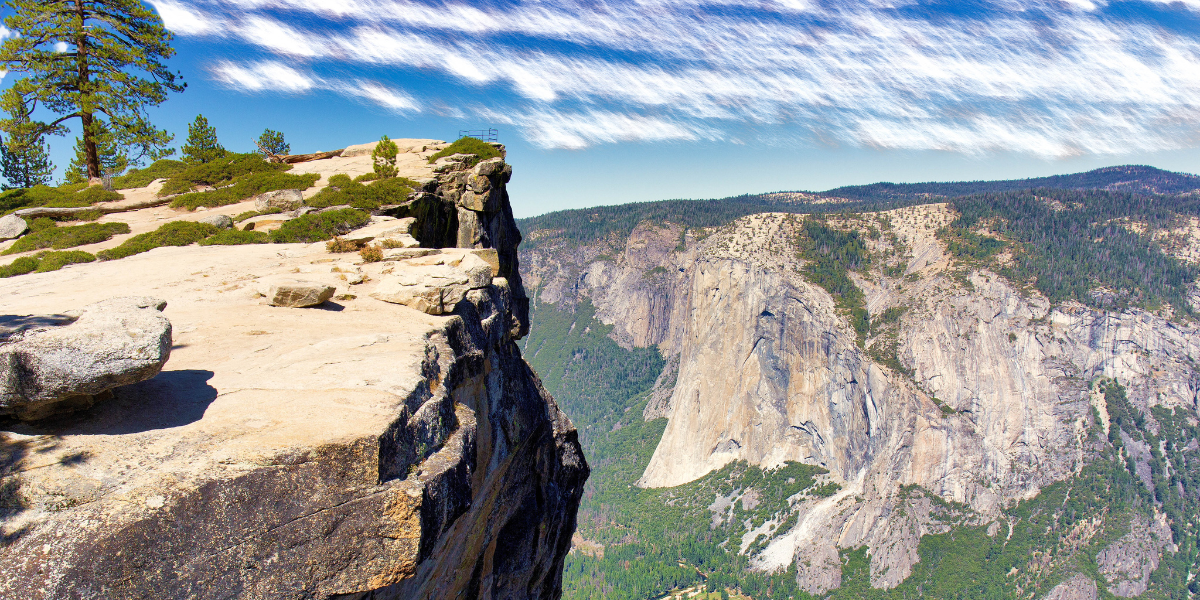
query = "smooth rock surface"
{"x": 59, "y": 363}
{"x": 369, "y": 451}
{"x": 12, "y": 226}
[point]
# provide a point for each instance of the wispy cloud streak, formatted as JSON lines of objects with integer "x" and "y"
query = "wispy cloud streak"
{"x": 1048, "y": 78}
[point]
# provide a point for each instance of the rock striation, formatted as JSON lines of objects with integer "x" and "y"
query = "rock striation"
{"x": 52, "y": 364}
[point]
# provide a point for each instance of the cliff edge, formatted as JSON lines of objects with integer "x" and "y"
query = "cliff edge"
{"x": 358, "y": 449}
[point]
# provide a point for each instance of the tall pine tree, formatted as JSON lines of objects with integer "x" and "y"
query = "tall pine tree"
{"x": 111, "y": 70}
{"x": 202, "y": 145}
{"x": 24, "y": 157}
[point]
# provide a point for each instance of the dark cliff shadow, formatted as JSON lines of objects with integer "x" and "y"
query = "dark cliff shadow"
{"x": 171, "y": 399}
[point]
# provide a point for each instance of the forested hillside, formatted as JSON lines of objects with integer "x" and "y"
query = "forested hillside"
{"x": 1122, "y": 517}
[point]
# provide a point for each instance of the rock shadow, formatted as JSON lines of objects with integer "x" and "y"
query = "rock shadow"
{"x": 171, "y": 399}
{"x": 11, "y": 325}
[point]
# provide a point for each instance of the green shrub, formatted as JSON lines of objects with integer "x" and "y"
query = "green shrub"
{"x": 86, "y": 215}
{"x": 342, "y": 191}
{"x": 21, "y": 266}
{"x": 175, "y": 233}
{"x": 469, "y": 145}
{"x": 163, "y": 169}
{"x": 53, "y": 261}
{"x": 218, "y": 172}
{"x": 236, "y": 237}
{"x": 320, "y": 226}
{"x": 67, "y": 196}
{"x": 41, "y": 223}
{"x": 384, "y": 157}
{"x": 366, "y": 177}
{"x": 94, "y": 194}
{"x": 67, "y": 237}
{"x": 244, "y": 187}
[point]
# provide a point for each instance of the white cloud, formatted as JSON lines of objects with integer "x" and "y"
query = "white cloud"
{"x": 274, "y": 76}
{"x": 60, "y": 47}
{"x": 1047, "y": 77}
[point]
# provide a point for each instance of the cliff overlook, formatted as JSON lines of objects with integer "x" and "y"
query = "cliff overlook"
{"x": 388, "y": 441}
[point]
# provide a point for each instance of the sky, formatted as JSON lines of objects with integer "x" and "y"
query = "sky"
{"x": 613, "y": 102}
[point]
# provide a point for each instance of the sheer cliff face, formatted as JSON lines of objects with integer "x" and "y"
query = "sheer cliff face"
{"x": 995, "y": 408}
{"x": 359, "y": 450}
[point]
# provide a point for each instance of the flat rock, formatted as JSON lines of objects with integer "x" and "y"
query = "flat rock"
{"x": 281, "y": 199}
{"x": 297, "y": 293}
{"x": 59, "y": 363}
{"x": 265, "y": 222}
{"x": 12, "y": 226}
{"x": 219, "y": 221}
{"x": 432, "y": 289}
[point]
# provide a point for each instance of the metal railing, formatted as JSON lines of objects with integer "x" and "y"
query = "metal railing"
{"x": 487, "y": 135}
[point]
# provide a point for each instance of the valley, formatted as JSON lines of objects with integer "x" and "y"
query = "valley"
{"x": 884, "y": 396}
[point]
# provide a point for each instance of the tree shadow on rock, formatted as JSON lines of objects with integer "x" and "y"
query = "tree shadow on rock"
{"x": 171, "y": 399}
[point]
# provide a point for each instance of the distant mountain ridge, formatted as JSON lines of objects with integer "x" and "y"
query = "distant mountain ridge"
{"x": 586, "y": 225}
{"x": 1133, "y": 179}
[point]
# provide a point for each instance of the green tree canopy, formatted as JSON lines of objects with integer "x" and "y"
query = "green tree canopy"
{"x": 384, "y": 157}
{"x": 24, "y": 157}
{"x": 110, "y": 70}
{"x": 271, "y": 143}
{"x": 202, "y": 145}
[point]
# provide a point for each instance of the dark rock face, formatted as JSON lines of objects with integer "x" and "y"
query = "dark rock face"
{"x": 468, "y": 207}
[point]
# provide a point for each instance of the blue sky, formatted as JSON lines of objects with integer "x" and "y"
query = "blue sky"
{"x": 604, "y": 103}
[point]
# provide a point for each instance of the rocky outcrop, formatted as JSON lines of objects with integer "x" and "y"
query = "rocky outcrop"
{"x": 52, "y": 364}
{"x": 1077, "y": 587}
{"x": 219, "y": 221}
{"x": 1128, "y": 562}
{"x": 989, "y": 402}
{"x": 367, "y": 450}
{"x": 467, "y": 206}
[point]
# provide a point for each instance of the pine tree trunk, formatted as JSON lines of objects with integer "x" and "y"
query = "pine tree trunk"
{"x": 86, "y": 116}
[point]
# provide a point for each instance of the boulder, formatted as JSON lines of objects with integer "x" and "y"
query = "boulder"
{"x": 432, "y": 289}
{"x": 296, "y": 293}
{"x": 59, "y": 363}
{"x": 281, "y": 199}
{"x": 11, "y": 227}
{"x": 219, "y": 221}
{"x": 479, "y": 272}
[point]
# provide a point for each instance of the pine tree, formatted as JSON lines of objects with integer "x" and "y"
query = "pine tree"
{"x": 271, "y": 143}
{"x": 202, "y": 145}
{"x": 113, "y": 160}
{"x": 111, "y": 70}
{"x": 384, "y": 157}
{"x": 24, "y": 156}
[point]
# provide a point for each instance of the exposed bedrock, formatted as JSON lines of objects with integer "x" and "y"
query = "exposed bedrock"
{"x": 994, "y": 406}
{"x": 357, "y": 449}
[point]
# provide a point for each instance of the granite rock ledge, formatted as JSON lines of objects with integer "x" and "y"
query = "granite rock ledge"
{"x": 358, "y": 450}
